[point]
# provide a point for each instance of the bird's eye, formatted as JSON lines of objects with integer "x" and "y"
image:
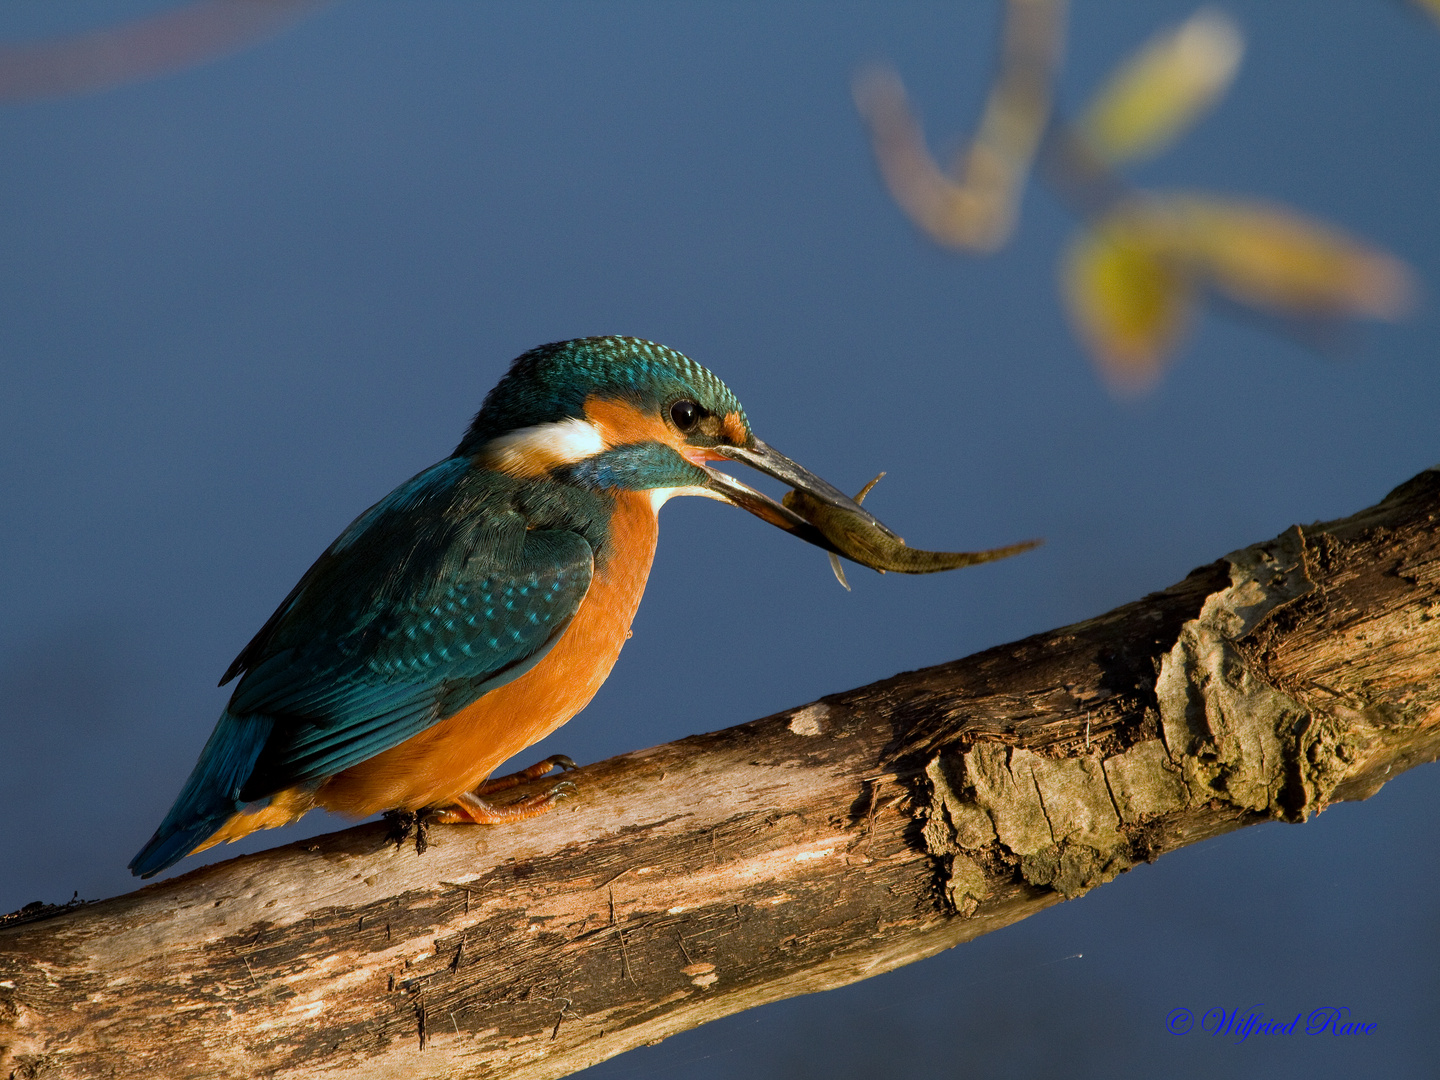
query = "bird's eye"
{"x": 685, "y": 414}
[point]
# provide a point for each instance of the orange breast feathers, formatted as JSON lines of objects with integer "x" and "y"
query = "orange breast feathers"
{"x": 455, "y": 755}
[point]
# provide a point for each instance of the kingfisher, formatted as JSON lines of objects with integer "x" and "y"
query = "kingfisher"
{"x": 479, "y": 605}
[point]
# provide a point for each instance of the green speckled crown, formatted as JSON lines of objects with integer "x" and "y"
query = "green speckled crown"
{"x": 551, "y": 383}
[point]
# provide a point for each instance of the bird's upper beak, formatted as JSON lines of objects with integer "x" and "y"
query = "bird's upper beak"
{"x": 773, "y": 463}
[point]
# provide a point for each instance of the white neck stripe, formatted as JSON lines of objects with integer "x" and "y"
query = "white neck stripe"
{"x": 533, "y": 451}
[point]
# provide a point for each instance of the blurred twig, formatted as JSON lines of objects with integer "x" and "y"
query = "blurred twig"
{"x": 145, "y": 48}
{"x": 977, "y": 210}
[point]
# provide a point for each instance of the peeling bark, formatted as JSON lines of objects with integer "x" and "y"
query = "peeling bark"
{"x": 795, "y": 853}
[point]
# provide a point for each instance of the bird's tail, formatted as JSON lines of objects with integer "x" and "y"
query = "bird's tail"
{"x": 211, "y": 795}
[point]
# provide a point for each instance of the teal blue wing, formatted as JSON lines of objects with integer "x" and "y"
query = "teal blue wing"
{"x": 338, "y": 701}
{"x": 438, "y": 594}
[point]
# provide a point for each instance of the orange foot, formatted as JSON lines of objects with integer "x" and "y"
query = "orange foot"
{"x": 524, "y": 776}
{"x": 472, "y": 807}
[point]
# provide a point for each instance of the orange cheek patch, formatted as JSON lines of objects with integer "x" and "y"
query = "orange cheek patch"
{"x": 622, "y": 424}
{"x": 734, "y": 429}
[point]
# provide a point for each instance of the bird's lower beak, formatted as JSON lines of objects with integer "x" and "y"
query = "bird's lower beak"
{"x": 773, "y": 463}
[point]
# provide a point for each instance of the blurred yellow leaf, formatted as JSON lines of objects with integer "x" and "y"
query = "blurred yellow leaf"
{"x": 1131, "y": 279}
{"x": 1127, "y": 300}
{"x": 1273, "y": 258}
{"x": 1432, "y": 7}
{"x": 1159, "y": 92}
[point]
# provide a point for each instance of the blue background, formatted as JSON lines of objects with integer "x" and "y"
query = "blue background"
{"x": 238, "y": 304}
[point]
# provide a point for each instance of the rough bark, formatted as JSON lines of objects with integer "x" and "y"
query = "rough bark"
{"x": 795, "y": 853}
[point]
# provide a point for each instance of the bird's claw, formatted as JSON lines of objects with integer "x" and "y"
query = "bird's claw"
{"x": 407, "y": 823}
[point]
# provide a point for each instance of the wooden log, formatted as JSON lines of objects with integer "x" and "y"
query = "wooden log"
{"x": 795, "y": 853}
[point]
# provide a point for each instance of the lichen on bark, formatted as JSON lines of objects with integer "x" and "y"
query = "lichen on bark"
{"x": 1213, "y": 729}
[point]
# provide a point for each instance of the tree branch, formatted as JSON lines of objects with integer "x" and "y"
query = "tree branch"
{"x": 795, "y": 853}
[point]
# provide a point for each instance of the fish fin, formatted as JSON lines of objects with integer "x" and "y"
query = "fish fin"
{"x": 866, "y": 489}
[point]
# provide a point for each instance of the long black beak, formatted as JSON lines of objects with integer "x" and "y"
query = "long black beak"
{"x": 773, "y": 463}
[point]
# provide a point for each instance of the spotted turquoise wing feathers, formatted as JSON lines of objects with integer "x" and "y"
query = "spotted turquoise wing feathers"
{"x": 418, "y": 661}
{"x": 436, "y": 595}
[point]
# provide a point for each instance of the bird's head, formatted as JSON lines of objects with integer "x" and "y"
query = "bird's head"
{"x": 619, "y": 413}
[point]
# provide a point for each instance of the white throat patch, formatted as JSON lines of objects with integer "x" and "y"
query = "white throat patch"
{"x": 534, "y": 451}
{"x": 660, "y": 496}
